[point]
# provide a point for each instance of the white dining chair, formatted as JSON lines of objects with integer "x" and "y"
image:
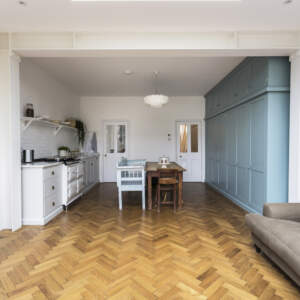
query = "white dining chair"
{"x": 131, "y": 177}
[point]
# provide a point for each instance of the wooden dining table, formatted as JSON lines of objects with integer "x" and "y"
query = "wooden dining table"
{"x": 152, "y": 172}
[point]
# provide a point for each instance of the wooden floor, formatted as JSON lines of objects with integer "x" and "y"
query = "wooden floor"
{"x": 93, "y": 251}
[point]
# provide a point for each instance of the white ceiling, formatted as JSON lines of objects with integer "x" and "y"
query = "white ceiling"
{"x": 105, "y": 76}
{"x": 64, "y": 15}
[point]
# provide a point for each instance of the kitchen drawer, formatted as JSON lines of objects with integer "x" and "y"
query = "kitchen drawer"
{"x": 51, "y": 186}
{"x": 80, "y": 185}
{"x": 72, "y": 173}
{"x": 72, "y": 189}
{"x": 80, "y": 170}
{"x": 51, "y": 203}
{"x": 51, "y": 172}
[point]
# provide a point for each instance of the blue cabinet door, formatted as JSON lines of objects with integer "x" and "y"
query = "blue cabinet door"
{"x": 243, "y": 135}
{"x": 231, "y": 138}
{"x": 258, "y": 190}
{"x": 242, "y": 82}
{"x": 232, "y": 183}
{"x": 243, "y": 184}
{"x": 223, "y": 176}
{"x": 208, "y": 173}
{"x": 243, "y": 152}
{"x": 259, "y": 74}
{"x": 215, "y": 172}
{"x": 259, "y": 134}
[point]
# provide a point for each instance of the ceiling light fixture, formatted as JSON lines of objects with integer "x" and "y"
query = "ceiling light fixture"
{"x": 128, "y": 72}
{"x": 156, "y": 100}
{"x": 22, "y": 3}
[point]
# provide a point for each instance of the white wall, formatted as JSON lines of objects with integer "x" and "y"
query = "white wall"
{"x": 148, "y": 127}
{"x": 51, "y": 98}
{"x": 5, "y": 97}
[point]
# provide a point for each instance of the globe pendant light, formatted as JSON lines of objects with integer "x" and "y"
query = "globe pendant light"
{"x": 156, "y": 100}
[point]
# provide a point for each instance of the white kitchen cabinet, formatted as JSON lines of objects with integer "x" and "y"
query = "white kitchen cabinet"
{"x": 91, "y": 171}
{"x": 41, "y": 193}
{"x": 46, "y": 187}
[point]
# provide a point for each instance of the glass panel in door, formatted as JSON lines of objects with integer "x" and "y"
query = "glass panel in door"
{"x": 110, "y": 139}
{"x": 194, "y": 138}
{"x": 183, "y": 138}
{"x": 121, "y": 138}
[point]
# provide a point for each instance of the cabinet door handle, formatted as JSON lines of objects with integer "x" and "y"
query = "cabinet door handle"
{"x": 53, "y": 173}
{"x": 53, "y": 187}
{"x": 53, "y": 203}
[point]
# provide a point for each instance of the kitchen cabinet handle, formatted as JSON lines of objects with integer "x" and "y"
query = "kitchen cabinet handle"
{"x": 53, "y": 187}
{"x": 53, "y": 173}
{"x": 53, "y": 203}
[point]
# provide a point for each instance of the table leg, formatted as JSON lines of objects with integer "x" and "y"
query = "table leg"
{"x": 149, "y": 178}
{"x": 180, "y": 190}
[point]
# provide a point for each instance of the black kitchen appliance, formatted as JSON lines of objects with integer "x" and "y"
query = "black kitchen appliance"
{"x": 27, "y": 156}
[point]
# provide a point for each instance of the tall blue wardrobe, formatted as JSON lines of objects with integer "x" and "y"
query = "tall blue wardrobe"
{"x": 247, "y": 133}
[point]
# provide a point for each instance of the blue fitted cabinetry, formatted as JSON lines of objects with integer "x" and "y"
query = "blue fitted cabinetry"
{"x": 247, "y": 133}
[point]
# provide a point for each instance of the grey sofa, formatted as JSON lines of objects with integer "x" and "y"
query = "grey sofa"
{"x": 277, "y": 234}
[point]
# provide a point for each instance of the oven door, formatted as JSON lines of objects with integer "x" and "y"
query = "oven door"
{"x": 72, "y": 172}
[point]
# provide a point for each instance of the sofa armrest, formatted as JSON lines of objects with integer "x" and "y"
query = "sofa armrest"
{"x": 285, "y": 211}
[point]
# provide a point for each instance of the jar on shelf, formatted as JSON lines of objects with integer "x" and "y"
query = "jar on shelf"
{"x": 29, "y": 111}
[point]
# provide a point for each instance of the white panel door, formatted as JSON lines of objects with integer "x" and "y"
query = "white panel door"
{"x": 189, "y": 149}
{"x": 115, "y": 147}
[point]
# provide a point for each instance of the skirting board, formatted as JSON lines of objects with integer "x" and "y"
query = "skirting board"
{"x": 89, "y": 187}
{"x": 236, "y": 201}
{"x": 45, "y": 220}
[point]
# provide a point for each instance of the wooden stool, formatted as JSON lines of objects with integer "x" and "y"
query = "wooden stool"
{"x": 167, "y": 182}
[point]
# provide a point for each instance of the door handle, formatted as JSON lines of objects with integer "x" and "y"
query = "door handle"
{"x": 105, "y": 155}
{"x": 180, "y": 156}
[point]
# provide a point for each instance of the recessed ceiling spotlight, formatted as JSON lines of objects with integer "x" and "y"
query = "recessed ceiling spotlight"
{"x": 128, "y": 72}
{"x": 22, "y": 3}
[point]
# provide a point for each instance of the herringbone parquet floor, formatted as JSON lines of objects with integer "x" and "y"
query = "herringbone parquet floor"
{"x": 203, "y": 251}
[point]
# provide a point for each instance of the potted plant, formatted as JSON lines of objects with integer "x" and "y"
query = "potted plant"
{"x": 63, "y": 151}
{"x": 80, "y": 131}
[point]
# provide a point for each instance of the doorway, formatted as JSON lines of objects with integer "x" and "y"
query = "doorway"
{"x": 115, "y": 147}
{"x": 189, "y": 149}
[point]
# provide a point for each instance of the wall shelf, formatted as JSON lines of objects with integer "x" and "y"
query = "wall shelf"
{"x": 27, "y": 122}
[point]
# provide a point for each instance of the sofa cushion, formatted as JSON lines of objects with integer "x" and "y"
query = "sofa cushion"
{"x": 281, "y": 236}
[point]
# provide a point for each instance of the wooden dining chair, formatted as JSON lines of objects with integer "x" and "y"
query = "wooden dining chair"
{"x": 167, "y": 182}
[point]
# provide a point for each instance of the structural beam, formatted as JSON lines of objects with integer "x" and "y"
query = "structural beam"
{"x": 155, "y": 41}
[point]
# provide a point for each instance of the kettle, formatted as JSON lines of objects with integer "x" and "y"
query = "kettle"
{"x": 28, "y": 156}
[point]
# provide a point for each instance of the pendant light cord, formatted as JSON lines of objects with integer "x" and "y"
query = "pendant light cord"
{"x": 155, "y": 82}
